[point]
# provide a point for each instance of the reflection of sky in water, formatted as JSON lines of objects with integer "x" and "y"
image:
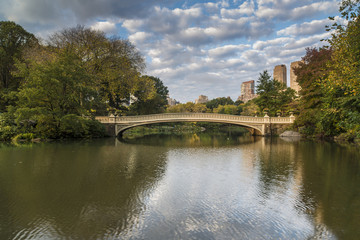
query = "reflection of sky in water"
{"x": 212, "y": 193}
{"x": 218, "y": 189}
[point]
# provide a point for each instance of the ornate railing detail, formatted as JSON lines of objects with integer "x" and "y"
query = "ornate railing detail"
{"x": 194, "y": 117}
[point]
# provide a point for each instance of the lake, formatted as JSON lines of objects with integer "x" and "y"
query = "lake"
{"x": 194, "y": 186}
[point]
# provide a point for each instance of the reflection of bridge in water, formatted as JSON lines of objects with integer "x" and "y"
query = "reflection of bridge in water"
{"x": 256, "y": 125}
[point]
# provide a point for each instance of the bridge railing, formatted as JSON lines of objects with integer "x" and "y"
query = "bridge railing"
{"x": 194, "y": 117}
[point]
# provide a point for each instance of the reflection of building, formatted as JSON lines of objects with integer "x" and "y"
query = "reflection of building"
{"x": 202, "y": 99}
{"x": 247, "y": 91}
{"x": 293, "y": 83}
{"x": 280, "y": 73}
{"x": 171, "y": 101}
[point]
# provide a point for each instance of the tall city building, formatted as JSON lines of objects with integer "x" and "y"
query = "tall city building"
{"x": 202, "y": 99}
{"x": 293, "y": 83}
{"x": 280, "y": 73}
{"x": 247, "y": 91}
{"x": 171, "y": 101}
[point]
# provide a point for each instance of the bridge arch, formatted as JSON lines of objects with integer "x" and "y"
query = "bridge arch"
{"x": 120, "y": 129}
{"x": 259, "y": 125}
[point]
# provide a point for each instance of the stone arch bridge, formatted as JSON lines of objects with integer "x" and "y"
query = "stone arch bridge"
{"x": 256, "y": 125}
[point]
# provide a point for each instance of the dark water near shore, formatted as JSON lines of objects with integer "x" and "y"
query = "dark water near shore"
{"x": 197, "y": 186}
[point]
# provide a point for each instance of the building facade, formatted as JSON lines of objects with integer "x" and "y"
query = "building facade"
{"x": 202, "y": 99}
{"x": 293, "y": 83}
{"x": 247, "y": 91}
{"x": 280, "y": 74}
{"x": 171, "y": 101}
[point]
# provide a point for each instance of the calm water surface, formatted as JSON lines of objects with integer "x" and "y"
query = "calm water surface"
{"x": 180, "y": 187}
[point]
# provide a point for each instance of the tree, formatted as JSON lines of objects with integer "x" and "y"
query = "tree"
{"x": 115, "y": 63}
{"x": 53, "y": 88}
{"x": 188, "y": 107}
{"x": 161, "y": 89}
{"x": 273, "y": 95}
{"x": 154, "y": 100}
{"x": 227, "y": 109}
{"x": 250, "y": 109}
{"x": 342, "y": 86}
{"x": 311, "y": 74}
{"x": 214, "y": 103}
{"x": 199, "y": 108}
{"x": 13, "y": 40}
{"x": 179, "y": 108}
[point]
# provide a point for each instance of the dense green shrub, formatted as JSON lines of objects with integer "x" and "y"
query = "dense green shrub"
{"x": 24, "y": 137}
{"x": 95, "y": 128}
{"x": 7, "y": 132}
{"x": 73, "y": 126}
{"x": 47, "y": 127}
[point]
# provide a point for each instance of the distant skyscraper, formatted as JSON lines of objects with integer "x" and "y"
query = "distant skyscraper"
{"x": 171, "y": 101}
{"x": 202, "y": 99}
{"x": 247, "y": 91}
{"x": 280, "y": 73}
{"x": 293, "y": 78}
{"x": 248, "y": 88}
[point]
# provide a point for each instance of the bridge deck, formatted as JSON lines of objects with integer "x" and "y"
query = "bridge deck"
{"x": 194, "y": 117}
{"x": 259, "y": 124}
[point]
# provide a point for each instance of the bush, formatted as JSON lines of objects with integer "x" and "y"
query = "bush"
{"x": 7, "y": 133}
{"x": 95, "y": 128}
{"x": 47, "y": 127}
{"x": 24, "y": 137}
{"x": 73, "y": 126}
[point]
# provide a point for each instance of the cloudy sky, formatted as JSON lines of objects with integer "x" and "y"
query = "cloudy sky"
{"x": 197, "y": 46}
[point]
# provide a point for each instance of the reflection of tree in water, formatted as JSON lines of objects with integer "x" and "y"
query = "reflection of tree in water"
{"x": 277, "y": 164}
{"x": 325, "y": 177}
{"x": 192, "y": 140}
{"x": 82, "y": 190}
{"x": 331, "y": 183}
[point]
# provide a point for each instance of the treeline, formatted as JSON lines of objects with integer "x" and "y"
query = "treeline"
{"x": 274, "y": 99}
{"x": 329, "y": 103}
{"x": 222, "y": 105}
{"x": 54, "y": 89}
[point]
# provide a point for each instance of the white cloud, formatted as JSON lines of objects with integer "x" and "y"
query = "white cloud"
{"x": 105, "y": 26}
{"x": 133, "y": 25}
{"x": 205, "y": 48}
{"x": 139, "y": 37}
{"x": 245, "y": 9}
{"x": 294, "y": 10}
{"x": 227, "y": 51}
{"x": 308, "y": 28}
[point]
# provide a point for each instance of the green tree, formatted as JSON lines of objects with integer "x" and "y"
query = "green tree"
{"x": 199, "y": 108}
{"x": 227, "y": 109}
{"x": 115, "y": 63}
{"x": 342, "y": 86}
{"x": 155, "y": 99}
{"x": 273, "y": 95}
{"x": 53, "y": 88}
{"x": 311, "y": 73}
{"x": 179, "y": 108}
{"x": 214, "y": 103}
{"x": 189, "y": 107}
{"x": 250, "y": 109}
{"x": 13, "y": 40}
